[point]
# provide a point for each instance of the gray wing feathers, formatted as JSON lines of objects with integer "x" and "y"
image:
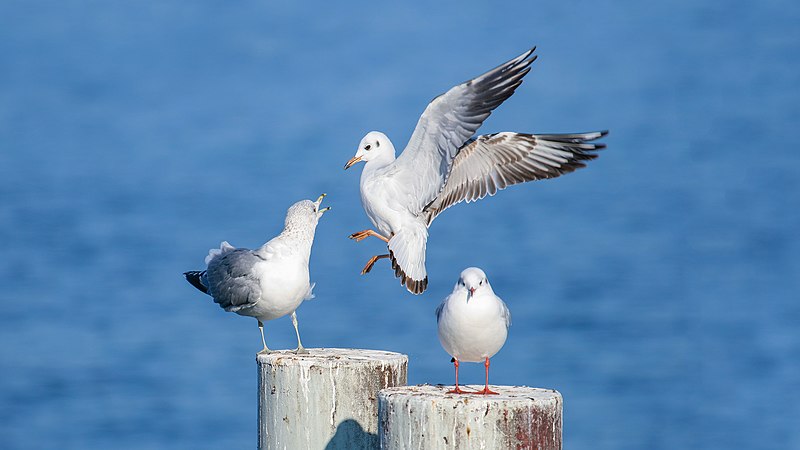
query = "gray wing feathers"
{"x": 506, "y": 313}
{"x": 231, "y": 280}
{"x": 439, "y": 310}
{"x": 310, "y": 294}
{"x": 493, "y": 162}
{"x": 454, "y": 117}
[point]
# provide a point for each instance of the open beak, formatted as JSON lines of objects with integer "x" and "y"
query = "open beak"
{"x": 319, "y": 200}
{"x": 352, "y": 161}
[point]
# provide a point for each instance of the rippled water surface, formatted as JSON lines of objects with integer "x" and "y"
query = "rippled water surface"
{"x": 657, "y": 290}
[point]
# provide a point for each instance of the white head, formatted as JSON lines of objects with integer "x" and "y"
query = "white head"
{"x": 474, "y": 281}
{"x": 304, "y": 214}
{"x": 375, "y": 145}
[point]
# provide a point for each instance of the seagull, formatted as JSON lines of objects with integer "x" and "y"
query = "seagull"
{"x": 444, "y": 164}
{"x": 473, "y": 323}
{"x": 270, "y": 281}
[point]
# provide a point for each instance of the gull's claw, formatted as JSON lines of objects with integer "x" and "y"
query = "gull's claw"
{"x": 458, "y": 390}
{"x": 363, "y": 234}
{"x": 487, "y": 391}
{"x": 360, "y": 236}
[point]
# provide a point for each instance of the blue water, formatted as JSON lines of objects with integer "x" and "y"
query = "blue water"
{"x": 657, "y": 290}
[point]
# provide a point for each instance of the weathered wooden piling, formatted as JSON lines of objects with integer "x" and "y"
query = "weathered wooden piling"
{"x": 326, "y": 399}
{"x": 427, "y": 417}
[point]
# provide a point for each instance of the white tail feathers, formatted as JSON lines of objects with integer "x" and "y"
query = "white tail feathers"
{"x": 407, "y": 251}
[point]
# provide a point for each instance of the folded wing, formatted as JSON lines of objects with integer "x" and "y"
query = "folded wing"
{"x": 232, "y": 280}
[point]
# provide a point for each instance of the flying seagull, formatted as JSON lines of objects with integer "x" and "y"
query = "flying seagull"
{"x": 443, "y": 164}
{"x": 473, "y": 323}
{"x": 270, "y": 281}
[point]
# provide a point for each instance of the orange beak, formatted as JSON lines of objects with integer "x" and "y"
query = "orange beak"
{"x": 352, "y": 161}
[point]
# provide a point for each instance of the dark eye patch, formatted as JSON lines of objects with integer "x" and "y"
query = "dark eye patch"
{"x": 367, "y": 147}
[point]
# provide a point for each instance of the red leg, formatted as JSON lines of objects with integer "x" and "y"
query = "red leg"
{"x": 456, "y": 390}
{"x": 486, "y": 390}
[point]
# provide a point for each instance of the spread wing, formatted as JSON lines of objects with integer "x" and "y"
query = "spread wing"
{"x": 495, "y": 161}
{"x": 232, "y": 280}
{"x": 449, "y": 121}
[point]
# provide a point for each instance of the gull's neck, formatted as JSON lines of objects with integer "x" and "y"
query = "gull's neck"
{"x": 298, "y": 238}
{"x": 380, "y": 160}
{"x": 304, "y": 233}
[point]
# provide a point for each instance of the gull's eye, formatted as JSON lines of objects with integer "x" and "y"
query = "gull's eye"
{"x": 367, "y": 147}
{"x": 377, "y": 143}
{"x": 481, "y": 283}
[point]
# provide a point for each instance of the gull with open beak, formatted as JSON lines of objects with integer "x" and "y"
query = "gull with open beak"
{"x": 270, "y": 281}
{"x": 473, "y": 323}
{"x": 444, "y": 164}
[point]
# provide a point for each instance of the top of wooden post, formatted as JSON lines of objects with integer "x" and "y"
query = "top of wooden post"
{"x": 331, "y": 357}
{"x": 506, "y": 394}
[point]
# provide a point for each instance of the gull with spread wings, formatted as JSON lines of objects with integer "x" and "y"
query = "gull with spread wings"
{"x": 444, "y": 164}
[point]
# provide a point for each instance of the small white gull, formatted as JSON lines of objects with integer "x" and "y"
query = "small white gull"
{"x": 473, "y": 322}
{"x": 270, "y": 281}
{"x": 443, "y": 164}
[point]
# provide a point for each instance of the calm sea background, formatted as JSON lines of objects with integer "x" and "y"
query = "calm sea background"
{"x": 657, "y": 289}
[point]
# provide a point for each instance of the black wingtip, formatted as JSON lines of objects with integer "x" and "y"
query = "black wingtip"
{"x": 530, "y": 52}
{"x": 530, "y": 57}
{"x": 194, "y": 278}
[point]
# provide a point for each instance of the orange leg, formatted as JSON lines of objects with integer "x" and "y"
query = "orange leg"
{"x": 486, "y": 390}
{"x": 371, "y": 263}
{"x": 361, "y": 235}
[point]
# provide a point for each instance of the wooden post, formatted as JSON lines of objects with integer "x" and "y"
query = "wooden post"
{"x": 326, "y": 399}
{"x": 427, "y": 417}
